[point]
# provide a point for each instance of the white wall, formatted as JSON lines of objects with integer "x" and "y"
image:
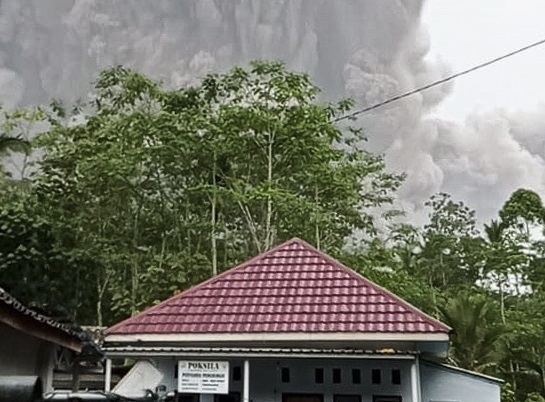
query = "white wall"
{"x": 266, "y": 384}
{"x": 442, "y": 384}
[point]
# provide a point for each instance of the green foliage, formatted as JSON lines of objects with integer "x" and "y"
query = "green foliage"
{"x": 16, "y": 128}
{"x": 525, "y": 205}
{"x": 477, "y": 332}
{"x": 384, "y": 266}
{"x": 507, "y": 393}
{"x": 160, "y": 188}
{"x": 534, "y": 397}
{"x": 34, "y": 265}
{"x": 449, "y": 250}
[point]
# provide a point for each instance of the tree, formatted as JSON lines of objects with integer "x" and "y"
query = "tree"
{"x": 523, "y": 209}
{"x": 523, "y": 216}
{"x": 16, "y": 129}
{"x": 503, "y": 262}
{"x": 34, "y": 266}
{"x": 450, "y": 257}
{"x": 162, "y": 188}
{"x": 527, "y": 347}
{"x": 382, "y": 264}
{"x": 290, "y": 171}
{"x": 477, "y": 335}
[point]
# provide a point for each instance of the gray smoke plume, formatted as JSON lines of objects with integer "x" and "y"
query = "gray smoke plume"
{"x": 368, "y": 50}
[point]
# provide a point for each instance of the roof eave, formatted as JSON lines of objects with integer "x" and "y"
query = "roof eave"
{"x": 37, "y": 329}
{"x": 465, "y": 372}
{"x": 139, "y": 352}
{"x": 276, "y": 337}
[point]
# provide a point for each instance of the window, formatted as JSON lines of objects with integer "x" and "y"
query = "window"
{"x": 237, "y": 373}
{"x": 346, "y": 398}
{"x": 356, "y": 376}
{"x": 319, "y": 376}
{"x": 386, "y": 398}
{"x": 285, "y": 374}
{"x": 336, "y": 376}
{"x": 396, "y": 377}
{"x": 376, "y": 376}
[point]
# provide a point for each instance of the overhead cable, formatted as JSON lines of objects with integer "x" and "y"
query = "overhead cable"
{"x": 438, "y": 82}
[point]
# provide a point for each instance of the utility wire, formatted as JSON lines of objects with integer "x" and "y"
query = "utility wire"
{"x": 439, "y": 82}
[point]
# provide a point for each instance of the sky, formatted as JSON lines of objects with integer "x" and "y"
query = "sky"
{"x": 467, "y": 32}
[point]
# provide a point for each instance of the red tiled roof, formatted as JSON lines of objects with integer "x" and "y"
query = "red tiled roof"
{"x": 292, "y": 288}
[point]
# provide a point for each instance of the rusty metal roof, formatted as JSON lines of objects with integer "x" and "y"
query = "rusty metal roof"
{"x": 293, "y": 288}
{"x": 10, "y": 301}
{"x": 15, "y": 314}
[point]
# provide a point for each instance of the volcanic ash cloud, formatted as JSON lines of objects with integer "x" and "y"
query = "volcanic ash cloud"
{"x": 369, "y": 50}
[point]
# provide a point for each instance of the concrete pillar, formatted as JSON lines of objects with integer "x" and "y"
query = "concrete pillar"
{"x": 246, "y": 383}
{"x": 108, "y": 376}
{"x": 415, "y": 380}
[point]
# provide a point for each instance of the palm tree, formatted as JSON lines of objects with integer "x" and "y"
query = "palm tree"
{"x": 477, "y": 337}
{"x": 494, "y": 231}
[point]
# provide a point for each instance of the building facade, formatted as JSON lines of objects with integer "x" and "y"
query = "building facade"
{"x": 30, "y": 342}
{"x": 291, "y": 325}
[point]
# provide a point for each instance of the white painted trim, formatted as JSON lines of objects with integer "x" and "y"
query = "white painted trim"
{"x": 246, "y": 355}
{"x": 265, "y": 337}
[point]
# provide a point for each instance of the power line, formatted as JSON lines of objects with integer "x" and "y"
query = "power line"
{"x": 439, "y": 82}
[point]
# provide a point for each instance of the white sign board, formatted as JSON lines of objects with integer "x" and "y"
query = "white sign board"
{"x": 203, "y": 377}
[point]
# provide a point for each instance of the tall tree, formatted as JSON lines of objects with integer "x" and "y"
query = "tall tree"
{"x": 450, "y": 257}
{"x": 162, "y": 188}
{"x": 522, "y": 210}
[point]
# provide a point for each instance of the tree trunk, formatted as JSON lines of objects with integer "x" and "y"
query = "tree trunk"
{"x": 134, "y": 270}
{"x": 316, "y": 225}
{"x": 268, "y": 226}
{"x": 213, "y": 239}
{"x": 99, "y": 304}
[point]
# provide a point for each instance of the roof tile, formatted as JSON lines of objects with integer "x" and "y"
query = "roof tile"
{"x": 293, "y": 288}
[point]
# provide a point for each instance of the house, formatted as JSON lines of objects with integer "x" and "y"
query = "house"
{"x": 33, "y": 344}
{"x": 292, "y": 325}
